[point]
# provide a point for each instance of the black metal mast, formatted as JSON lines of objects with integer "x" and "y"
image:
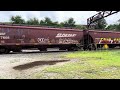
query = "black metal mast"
{"x": 98, "y": 16}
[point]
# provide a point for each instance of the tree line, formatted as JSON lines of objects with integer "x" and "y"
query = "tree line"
{"x": 45, "y": 22}
{"x": 114, "y": 27}
{"x": 101, "y": 24}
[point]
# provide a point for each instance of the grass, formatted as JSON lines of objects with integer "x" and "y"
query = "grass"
{"x": 88, "y": 65}
{"x": 1, "y": 77}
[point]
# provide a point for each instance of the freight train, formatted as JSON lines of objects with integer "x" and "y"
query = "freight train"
{"x": 15, "y": 38}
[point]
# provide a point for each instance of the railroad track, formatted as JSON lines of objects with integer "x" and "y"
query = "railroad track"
{"x": 30, "y": 51}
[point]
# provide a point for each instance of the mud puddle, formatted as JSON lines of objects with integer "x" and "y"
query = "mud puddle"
{"x": 37, "y": 63}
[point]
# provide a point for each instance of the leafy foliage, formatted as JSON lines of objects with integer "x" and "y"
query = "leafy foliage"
{"x": 81, "y": 27}
{"x": 48, "y": 22}
{"x": 68, "y": 23}
{"x": 17, "y": 20}
{"x": 115, "y": 27}
{"x": 33, "y": 21}
{"x": 100, "y": 24}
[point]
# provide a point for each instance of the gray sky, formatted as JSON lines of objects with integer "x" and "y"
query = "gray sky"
{"x": 79, "y": 16}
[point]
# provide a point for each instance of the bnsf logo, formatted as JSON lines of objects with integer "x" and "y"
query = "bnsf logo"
{"x": 65, "y": 35}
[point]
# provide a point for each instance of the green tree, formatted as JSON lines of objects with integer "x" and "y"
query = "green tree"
{"x": 61, "y": 24}
{"x": 68, "y": 23}
{"x": 17, "y": 20}
{"x": 81, "y": 27}
{"x": 111, "y": 27}
{"x": 55, "y": 24}
{"x": 33, "y": 21}
{"x": 48, "y": 22}
{"x": 100, "y": 24}
{"x": 42, "y": 23}
{"x": 114, "y": 26}
{"x": 118, "y": 27}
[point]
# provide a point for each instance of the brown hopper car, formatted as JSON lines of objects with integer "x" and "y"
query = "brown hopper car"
{"x": 15, "y": 38}
{"x": 98, "y": 38}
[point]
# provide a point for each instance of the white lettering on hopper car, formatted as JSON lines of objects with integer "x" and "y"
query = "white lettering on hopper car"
{"x": 65, "y": 35}
{"x": 4, "y": 37}
{"x": 2, "y": 33}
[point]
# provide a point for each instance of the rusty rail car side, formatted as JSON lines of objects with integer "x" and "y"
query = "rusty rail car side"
{"x": 98, "y": 38}
{"x": 16, "y": 38}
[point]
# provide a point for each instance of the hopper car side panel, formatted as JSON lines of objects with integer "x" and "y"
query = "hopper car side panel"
{"x": 44, "y": 36}
{"x": 63, "y": 39}
{"x": 112, "y": 39}
{"x": 24, "y": 37}
{"x": 12, "y": 36}
{"x": 56, "y": 36}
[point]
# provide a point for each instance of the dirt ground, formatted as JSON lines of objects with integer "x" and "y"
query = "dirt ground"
{"x": 22, "y": 65}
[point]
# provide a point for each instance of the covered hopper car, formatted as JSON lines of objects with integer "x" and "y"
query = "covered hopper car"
{"x": 15, "y": 38}
{"x": 95, "y": 39}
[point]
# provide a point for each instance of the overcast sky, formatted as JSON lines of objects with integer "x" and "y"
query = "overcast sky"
{"x": 79, "y": 16}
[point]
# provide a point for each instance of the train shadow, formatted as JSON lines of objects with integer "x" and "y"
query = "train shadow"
{"x": 37, "y": 63}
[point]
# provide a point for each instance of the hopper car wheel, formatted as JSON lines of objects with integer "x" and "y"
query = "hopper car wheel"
{"x": 85, "y": 48}
{"x": 4, "y": 51}
{"x": 62, "y": 48}
{"x": 71, "y": 49}
{"x": 92, "y": 47}
{"x": 17, "y": 50}
{"x": 76, "y": 49}
{"x": 7, "y": 52}
{"x": 42, "y": 49}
